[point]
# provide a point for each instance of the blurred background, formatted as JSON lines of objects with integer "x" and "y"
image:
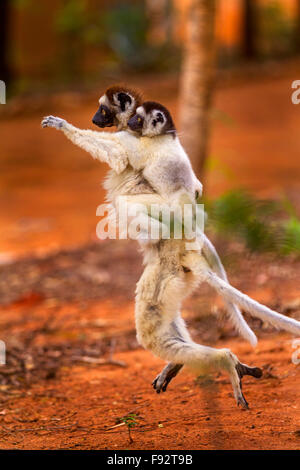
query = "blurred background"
{"x": 225, "y": 70}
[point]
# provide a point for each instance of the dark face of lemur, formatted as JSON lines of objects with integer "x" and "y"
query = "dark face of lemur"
{"x": 117, "y": 105}
{"x": 152, "y": 119}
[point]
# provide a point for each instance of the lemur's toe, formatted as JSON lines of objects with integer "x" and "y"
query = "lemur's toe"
{"x": 154, "y": 384}
{"x": 241, "y": 400}
{"x": 46, "y": 122}
{"x": 158, "y": 384}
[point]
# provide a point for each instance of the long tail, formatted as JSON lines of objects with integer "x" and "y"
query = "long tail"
{"x": 251, "y": 306}
{"x": 233, "y": 311}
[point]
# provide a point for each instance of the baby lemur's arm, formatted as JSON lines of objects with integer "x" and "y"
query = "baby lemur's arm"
{"x": 103, "y": 146}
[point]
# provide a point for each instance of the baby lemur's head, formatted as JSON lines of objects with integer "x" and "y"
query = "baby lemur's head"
{"x": 152, "y": 119}
{"x": 117, "y": 106}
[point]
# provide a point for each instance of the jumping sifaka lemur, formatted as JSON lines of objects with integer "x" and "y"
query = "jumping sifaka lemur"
{"x": 158, "y": 154}
{"x": 117, "y": 106}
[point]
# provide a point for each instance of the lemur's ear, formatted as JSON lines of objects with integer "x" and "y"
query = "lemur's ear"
{"x": 123, "y": 99}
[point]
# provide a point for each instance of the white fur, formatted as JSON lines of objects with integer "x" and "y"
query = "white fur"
{"x": 163, "y": 283}
{"x": 152, "y": 157}
{"x": 159, "y": 325}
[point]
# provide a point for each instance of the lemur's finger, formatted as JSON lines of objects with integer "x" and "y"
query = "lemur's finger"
{"x": 52, "y": 121}
{"x": 46, "y": 121}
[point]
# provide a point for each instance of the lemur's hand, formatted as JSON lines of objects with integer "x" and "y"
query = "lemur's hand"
{"x": 52, "y": 121}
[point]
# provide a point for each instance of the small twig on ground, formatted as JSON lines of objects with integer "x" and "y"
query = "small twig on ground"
{"x": 99, "y": 362}
{"x": 41, "y": 428}
{"x": 103, "y": 362}
{"x": 115, "y": 426}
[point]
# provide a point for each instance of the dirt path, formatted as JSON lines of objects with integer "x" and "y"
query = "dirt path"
{"x": 78, "y": 410}
{"x": 51, "y": 398}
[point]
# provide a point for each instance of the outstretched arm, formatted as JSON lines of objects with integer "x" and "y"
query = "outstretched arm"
{"x": 103, "y": 146}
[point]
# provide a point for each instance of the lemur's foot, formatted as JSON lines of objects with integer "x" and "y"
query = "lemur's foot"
{"x": 236, "y": 374}
{"x": 163, "y": 379}
{"x": 52, "y": 121}
{"x": 243, "y": 369}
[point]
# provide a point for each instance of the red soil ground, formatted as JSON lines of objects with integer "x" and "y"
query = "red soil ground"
{"x": 50, "y": 191}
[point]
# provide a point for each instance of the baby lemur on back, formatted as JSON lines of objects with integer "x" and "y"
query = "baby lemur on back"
{"x": 164, "y": 283}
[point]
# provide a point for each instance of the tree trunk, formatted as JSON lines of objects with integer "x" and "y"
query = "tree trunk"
{"x": 249, "y": 28}
{"x": 4, "y": 25}
{"x": 198, "y": 72}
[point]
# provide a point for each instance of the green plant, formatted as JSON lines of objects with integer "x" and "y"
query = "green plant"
{"x": 130, "y": 420}
{"x": 71, "y": 22}
{"x": 126, "y": 33}
{"x": 263, "y": 225}
{"x": 291, "y": 240}
{"x": 275, "y": 29}
{"x": 72, "y": 17}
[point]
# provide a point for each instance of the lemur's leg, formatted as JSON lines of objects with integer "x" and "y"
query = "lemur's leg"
{"x": 210, "y": 254}
{"x": 161, "y": 330}
{"x": 236, "y": 371}
{"x": 103, "y": 146}
{"x": 160, "y": 339}
{"x": 203, "y": 359}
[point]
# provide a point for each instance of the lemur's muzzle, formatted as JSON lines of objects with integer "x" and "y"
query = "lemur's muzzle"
{"x": 103, "y": 117}
{"x": 136, "y": 123}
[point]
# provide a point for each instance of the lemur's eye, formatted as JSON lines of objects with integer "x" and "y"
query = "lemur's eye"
{"x": 103, "y": 112}
{"x": 159, "y": 117}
